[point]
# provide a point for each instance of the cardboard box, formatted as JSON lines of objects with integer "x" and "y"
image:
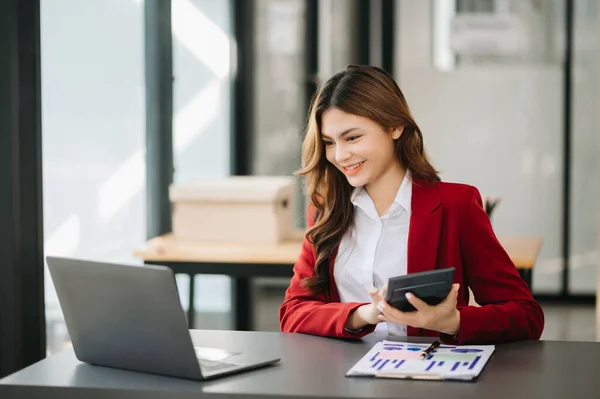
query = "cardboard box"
{"x": 247, "y": 209}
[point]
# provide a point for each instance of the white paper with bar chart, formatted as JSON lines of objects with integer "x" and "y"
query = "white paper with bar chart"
{"x": 392, "y": 359}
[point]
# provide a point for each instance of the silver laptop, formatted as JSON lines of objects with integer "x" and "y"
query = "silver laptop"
{"x": 130, "y": 317}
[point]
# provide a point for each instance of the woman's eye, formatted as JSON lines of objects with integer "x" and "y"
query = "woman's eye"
{"x": 353, "y": 138}
{"x": 327, "y": 143}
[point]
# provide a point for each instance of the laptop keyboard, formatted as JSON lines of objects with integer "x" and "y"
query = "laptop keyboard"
{"x": 214, "y": 365}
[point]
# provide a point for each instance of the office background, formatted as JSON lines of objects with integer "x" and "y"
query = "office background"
{"x": 92, "y": 131}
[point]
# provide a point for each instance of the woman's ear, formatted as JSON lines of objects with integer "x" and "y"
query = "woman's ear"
{"x": 396, "y": 133}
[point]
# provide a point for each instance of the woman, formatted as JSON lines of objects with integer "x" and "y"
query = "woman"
{"x": 378, "y": 210}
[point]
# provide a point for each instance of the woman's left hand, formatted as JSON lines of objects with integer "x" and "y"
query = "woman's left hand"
{"x": 443, "y": 317}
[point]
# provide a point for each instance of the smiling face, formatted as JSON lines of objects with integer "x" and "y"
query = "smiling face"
{"x": 359, "y": 147}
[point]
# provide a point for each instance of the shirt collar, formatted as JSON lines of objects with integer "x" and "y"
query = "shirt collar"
{"x": 361, "y": 198}
{"x": 404, "y": 195}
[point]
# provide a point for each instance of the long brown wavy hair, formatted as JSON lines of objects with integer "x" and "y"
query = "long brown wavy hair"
{"x": 369, "y": 92}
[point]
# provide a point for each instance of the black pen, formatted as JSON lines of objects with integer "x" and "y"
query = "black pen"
{"x": 430, "y": 349}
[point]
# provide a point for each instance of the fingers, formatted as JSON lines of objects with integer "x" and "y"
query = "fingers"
{"x": 417, "y": 303}
{"x": 377, "y": 295}
{"x": 426, "y": 316}
{"x": 453, "y": 294}
{"x": 374, "y": 294}
{"x": 384, "y": 292}
{"x": 456, "y": 288}
{"x": 391, "y": 314}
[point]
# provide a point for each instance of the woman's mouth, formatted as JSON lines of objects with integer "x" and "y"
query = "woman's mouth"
{"x": 353, "y": 169}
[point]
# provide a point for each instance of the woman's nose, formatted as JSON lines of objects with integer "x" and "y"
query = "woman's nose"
{"x": 342, "y": 153}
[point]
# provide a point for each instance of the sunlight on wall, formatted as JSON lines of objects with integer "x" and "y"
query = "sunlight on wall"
{"x": 130, "y": 178}
{"x": 189, "y": 26}
{"x": 65, "y": 239}
{"x": 202, "y": 37}
{"x": 191, "y": 121}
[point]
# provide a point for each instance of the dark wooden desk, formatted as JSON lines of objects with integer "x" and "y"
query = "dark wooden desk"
{"x": 314, "y": 367}
{"x": 242, "y": 262}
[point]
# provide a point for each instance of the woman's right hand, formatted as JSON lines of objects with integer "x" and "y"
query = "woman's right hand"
{"x": 371, "y": 313}
{"x": 367, "y": 314}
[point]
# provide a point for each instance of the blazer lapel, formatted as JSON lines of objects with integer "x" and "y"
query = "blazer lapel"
{"x": 425, "y": 227}
{"x": 334, "y": 295}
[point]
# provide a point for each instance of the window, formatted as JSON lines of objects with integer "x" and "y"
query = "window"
{"x": 93, "y": 122}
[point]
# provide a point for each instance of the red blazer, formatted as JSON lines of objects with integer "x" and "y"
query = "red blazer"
{"x": 448, "y": 228}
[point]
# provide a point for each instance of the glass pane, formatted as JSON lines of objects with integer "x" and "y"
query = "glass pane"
{"x": 93, "y": 135}
{"x": 202, "y": 123}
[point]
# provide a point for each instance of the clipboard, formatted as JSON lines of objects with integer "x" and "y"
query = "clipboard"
{"x": 401, "y": 360}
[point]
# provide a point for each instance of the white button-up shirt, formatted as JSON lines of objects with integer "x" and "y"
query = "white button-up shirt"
{"x": 374, "y": 249}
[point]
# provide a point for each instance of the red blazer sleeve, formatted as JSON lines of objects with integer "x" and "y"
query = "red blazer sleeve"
{"x": 303, "y": 312}
{"x": 508, "y": 311}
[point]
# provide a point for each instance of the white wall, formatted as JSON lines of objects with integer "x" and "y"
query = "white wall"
{"x": 584, "y": 169}
{"x": 498, "y": 127}
{"x": 279, "y": 108}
